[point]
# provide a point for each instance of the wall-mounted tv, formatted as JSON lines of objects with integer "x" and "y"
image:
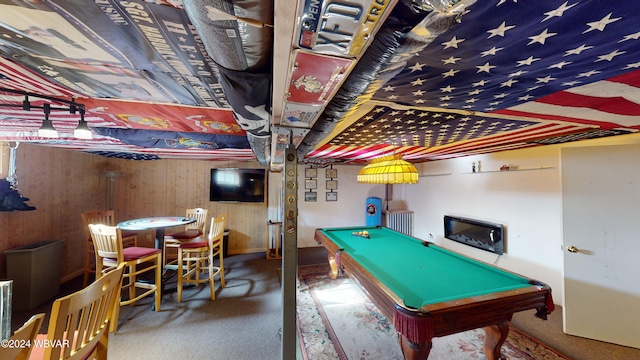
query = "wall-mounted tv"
{"x": 479, "y": 234}
{"x": 237, "y": 185}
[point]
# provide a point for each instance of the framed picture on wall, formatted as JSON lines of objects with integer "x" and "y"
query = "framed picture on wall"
{"x": 332, "y": 196}
{"x": 332, "y": 184}
{"x": 310, "y": 184}
{"x": 310, "y": 196}
{"x": 310, "y": 172}
{"x": 331, "y": 173}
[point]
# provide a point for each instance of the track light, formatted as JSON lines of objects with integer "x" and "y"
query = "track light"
{"x": 82, "y": 131}
{"x": 47, "y": 130}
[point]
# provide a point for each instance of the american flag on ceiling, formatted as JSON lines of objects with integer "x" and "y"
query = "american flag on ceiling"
{"x": 508, "y": 54}
{"x": 435, "y": 135}
{"x": 509, "y": 75}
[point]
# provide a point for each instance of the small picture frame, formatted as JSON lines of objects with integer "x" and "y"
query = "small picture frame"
{"x": 310, "y": 184}
{"x": 310, "y": 172}
{"x": 332, "y": 184}
{"x": 331, "y": 173}
{"x": 310, "y": 196}
{"x": 332, "y": 196}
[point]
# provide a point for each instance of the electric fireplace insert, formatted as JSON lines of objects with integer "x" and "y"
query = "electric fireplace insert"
{"x": 479, "y": 234}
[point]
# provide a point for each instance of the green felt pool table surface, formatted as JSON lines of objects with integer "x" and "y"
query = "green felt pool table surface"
{"x": 421, "y": 275}
{"x": 429, "y": 291}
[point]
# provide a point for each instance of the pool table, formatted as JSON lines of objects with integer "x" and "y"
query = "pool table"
{"x": 430, "y": 291}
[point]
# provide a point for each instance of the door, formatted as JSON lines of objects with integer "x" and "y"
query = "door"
{"x": 601, "y": 235}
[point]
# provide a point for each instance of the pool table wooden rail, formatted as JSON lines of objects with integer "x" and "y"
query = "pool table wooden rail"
{"x": 417, "y": 327}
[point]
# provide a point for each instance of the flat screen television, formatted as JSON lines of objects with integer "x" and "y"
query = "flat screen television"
{"x": 479, "y": 234}
{"x": 237, "y": 185}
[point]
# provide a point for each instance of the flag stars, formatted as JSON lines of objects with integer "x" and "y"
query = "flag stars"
{"x": 545, "y": 79}
{"x": 508, "y": 83}
{"x": 485, "y": 68}
{"x": 453, "y": 43}
{"x": 634, "y": 36}
{"x": 578, "y": 50}
{"x": 417, "y": 82}
{"x": 451, "y": 61}
{"x": 541, "y": 38}
{"x": 518, "y": 73}
{"x": 447, "y": 89}
{"x": 571, "y": 83}
{"x": 480, "y": 83}
{"x": 418, "y": 93}
{"x": 559, "y": 65}
{"x": 494, "y": 50}
{"x": 601, "y": 24}
{"x": 610, "y": 56}
{"x": 417, "y": 67}
{"x": 633, "y": 65}
{"x": 500, "y": 30}
{"x": 450, "y": 73}
{"x": 588, "y": 73}
{"x": 528, "y": 61}
{"x": 557, "y": 12}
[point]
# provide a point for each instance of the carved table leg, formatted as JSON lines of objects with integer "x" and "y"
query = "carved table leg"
{"x": 495, "y": 336}
{"x": 414, "y": 351}
{"x": 334, "y": 266}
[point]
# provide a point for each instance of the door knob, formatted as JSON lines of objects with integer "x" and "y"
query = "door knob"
{"x": 573, "y": 249}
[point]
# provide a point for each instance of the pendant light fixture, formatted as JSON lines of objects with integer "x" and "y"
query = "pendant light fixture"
{"x": 390, "y": 169}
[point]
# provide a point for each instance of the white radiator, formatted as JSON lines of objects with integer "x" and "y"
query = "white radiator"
{"x": 400, "y": 221}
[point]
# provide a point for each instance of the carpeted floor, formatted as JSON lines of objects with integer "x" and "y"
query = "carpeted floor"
{"x": 337, "y": 321}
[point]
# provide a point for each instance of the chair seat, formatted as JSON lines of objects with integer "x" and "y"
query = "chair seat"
{"x": 194, "y": 244}
{"x": 134, "y": 252}
{"x": 186, "y": 234}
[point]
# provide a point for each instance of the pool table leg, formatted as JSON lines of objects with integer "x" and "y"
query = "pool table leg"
{"x": 414, "y": 351}
{"x": 495, "y": 336}
{"x": 334, "y": 263}
{"x": 334, "y": 266}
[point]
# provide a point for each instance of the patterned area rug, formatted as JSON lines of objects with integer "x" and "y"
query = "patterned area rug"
{"x": 336, "y": 320}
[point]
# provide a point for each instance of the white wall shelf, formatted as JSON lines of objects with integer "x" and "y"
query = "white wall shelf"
{"x": 512, "y": 170}
{"x": 435, "y": 174}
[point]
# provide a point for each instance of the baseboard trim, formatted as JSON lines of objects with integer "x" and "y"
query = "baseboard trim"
{"x": 71, "y": 276}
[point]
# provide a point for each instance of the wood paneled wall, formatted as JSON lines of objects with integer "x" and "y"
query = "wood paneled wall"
{"x": 169, "y": 187}
{"x": 61, "y": 184}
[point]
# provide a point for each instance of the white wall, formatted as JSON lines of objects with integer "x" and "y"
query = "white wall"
{"x": 349, "y": 210}
{"x": 527, "y": 202}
